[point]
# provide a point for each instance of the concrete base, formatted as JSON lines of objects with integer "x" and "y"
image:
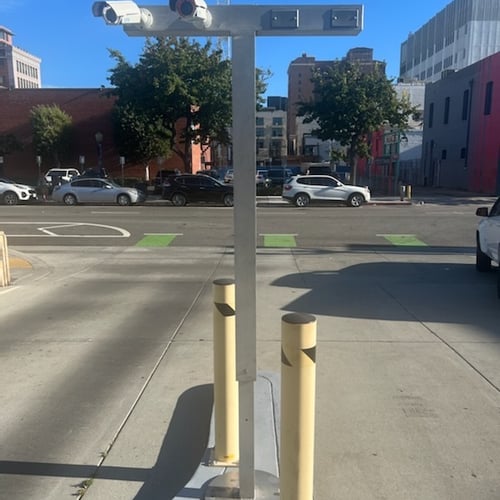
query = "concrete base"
{"x": 227, "y": 486}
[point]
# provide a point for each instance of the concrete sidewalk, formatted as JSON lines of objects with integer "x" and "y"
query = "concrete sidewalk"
{"x": 408, "y": 384}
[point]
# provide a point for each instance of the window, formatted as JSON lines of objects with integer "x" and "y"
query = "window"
{"x": 465, "y": 105}
{"x": 259, "y": 120}
{"x": 431, "y": 114}
{"x": 446, "y": 117}
{"x": 488, "y": 98}
{"x": 260, "y": 132}
{"x": 444, "y": 154}
{"x": 277, "y": 121}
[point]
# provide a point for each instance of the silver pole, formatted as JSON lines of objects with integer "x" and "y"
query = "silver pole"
{"x": 243, "y": 63}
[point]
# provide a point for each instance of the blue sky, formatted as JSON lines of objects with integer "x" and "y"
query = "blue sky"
{"x": 73, "y": 44}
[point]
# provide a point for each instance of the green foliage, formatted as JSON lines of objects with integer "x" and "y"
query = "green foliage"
{"x": 174, "y": 79}
{"x": 350, "y": 103}
{"x": 177, "y": 80}
{"x": 52, "y": 132}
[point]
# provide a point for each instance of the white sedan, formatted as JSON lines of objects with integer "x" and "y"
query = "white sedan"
{"x": 302, "y": 190}
{"x": 488, "y": 239}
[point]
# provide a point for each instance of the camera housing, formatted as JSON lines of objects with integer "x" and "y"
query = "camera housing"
{"x": 122, "y": 12}
{"x": 194, "y": 11}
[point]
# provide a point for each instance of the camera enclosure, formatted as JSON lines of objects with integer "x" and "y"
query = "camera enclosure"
{"x": 122, "y": 12}
{"x": 194, "y": 11}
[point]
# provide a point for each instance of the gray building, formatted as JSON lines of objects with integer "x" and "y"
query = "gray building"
{"x": 464, "y": 32}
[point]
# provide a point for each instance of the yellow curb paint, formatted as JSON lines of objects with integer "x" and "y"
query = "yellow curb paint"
{"x": 19, "y": 263}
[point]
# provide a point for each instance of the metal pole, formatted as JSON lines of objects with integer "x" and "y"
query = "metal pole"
{"x": 298, "y": 394}
{"x": 225, "y": 385}
{"x": 245, "y": 241}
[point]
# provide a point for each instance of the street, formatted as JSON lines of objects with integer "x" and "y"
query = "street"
{"x": 110, "y": 330}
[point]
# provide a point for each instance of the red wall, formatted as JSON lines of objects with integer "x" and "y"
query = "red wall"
{"x": 484, "y": 158}
{"x": 90, "y": 110}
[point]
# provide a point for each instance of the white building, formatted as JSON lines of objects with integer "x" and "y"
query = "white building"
{"x": 464, "y": 32}
{"x": 18, "y": 68}
{"x": 270, "y": 131}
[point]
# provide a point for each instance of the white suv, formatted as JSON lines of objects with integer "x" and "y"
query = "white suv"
{"x": 62, "y": 174}
{"x": 12, "y": 193}
{"x": 488, "y": 239}
{"x": 304, "y": 189}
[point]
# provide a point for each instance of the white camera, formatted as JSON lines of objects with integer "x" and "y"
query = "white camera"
{"x": 122, "y": 12}
{"x": 195, "y": 11}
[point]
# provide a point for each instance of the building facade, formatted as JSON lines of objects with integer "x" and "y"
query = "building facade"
{"x": 18, "y": 68}
{"x": 91, "y": 113}
{"x": 461, "y": 148}
{"x": 464, "y": 32}
{"x": 270, "y": 137}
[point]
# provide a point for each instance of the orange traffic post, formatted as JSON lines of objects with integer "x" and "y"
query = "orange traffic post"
{"x": 298, "y": 394}
{"x": 225, "y": 383}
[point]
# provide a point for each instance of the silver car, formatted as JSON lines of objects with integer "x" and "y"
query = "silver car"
{"x": 90, "y": 190}
{"x": 305, "y": 189}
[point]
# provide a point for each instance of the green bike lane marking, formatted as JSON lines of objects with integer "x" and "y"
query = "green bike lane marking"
{"x": 279, "y": 240}
{"x": 403, "y": 240}
{"x": 157, "y": 240}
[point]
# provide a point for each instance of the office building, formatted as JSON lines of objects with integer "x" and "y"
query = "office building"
{"x": 464, "y": 32}
{"x": 18, "y": 68}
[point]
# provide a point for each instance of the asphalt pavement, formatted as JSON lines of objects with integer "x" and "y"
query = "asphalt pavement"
{"x": 407, "y": 391}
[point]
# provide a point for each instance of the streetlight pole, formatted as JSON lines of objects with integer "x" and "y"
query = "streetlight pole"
{"x": 98, "y": 139}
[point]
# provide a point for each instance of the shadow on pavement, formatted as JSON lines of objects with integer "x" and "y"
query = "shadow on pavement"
{"x": 183, "y": 448}
{"x": 444, "y": 292}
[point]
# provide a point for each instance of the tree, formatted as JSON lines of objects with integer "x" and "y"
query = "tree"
{"x": 349, "y": 104}
{"x": 8, "y": 144}
{"x": 176, "y": 81}
{"x": 52, "y": 131}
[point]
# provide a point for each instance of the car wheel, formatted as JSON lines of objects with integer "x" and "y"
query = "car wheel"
{"x": 483, "y": 262}
{"x": 228, "y": 200}
{"x": 10, "y": 198}
{"x": 302, "y": 200}
{"x": 123, "y": 200}
{"x": 355, "y": 200}
{"x": 70, "y": 199}
{"x": 179, "y": 200}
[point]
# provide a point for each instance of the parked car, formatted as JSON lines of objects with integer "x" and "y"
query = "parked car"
{"x": 229, "y": 176}
{"x": 97, "y": 172}
{"x": 96, "y": 190}
{"x": 11, "y": 193}
{"x": 161, "y": 177}
{"x": 488, "y": 239}
{"x": 261, "y": 178}
{"x": 304, "y": 189}
{"x": 56, "y": 175}
{"x": 278, "y": 175}
{"x": 189, "y": 188}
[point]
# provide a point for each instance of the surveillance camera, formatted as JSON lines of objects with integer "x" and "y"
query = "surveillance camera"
{"x": 195, "y": 11}
{"x": 122, "y": 12}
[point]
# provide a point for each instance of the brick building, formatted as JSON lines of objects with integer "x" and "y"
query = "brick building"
{"x": 90, "y": 110}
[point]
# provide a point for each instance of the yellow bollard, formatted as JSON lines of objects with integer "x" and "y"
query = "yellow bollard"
{"x": 225, "y": 383}
{"x": 5, "y": 277}
{"x": 298, "y": 393}
{"x": 408, "y": 191}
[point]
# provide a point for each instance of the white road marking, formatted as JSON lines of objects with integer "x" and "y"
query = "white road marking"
{"x": 47, "y": 228}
